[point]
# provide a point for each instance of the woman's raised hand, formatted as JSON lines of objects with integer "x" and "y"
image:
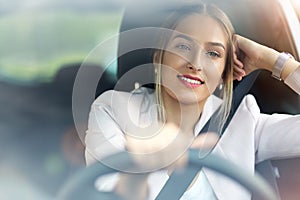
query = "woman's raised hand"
{"x": 250, "y": 55}
{"x": 161, "y": 146}
{"x": 166, "y": 148}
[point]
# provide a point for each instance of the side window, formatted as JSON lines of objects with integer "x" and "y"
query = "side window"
{"x": 42, "y": 46}
{"x": 37, "y": 39}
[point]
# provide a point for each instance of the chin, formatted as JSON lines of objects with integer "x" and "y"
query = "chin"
{"x": 189, "y": 99}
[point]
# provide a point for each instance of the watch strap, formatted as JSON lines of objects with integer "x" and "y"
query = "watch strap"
{"x": 279, "y": 64}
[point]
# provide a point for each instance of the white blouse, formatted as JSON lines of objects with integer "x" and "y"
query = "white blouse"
{"x": 251, "y": 137}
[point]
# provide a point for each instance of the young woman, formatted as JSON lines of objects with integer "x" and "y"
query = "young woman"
{"x": 157, "y": 127}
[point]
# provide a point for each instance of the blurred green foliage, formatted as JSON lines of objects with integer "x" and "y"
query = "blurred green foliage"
{"x": 34, "y": 45}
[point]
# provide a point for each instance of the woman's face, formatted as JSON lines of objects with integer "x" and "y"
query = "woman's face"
{"x": 194, "y": 59}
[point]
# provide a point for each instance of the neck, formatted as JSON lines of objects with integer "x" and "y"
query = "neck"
{"x": 183, "y": 115}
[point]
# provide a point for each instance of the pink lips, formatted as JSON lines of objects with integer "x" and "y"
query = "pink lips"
{"x": 190, "y": 81}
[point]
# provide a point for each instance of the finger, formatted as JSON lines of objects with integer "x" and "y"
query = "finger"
{"x": 237, "y": 76}
{"x": 242, "y": 43}
{"x": 237, "y": 41}
{"x": 237, "y": 45}
{"x": 234, "y": 46}
{"x": 239, "y": 71}
{"x": 237, "y": 55}
{"x": 159, "y": 151}
{"x": 237, "y": 62}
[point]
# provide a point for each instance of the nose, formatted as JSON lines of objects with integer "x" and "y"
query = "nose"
{"x": 193, "y": 67}
{"x": 195, "y": 62}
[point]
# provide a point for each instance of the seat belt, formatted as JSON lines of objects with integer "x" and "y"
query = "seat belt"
{"x": 180, "y": 180}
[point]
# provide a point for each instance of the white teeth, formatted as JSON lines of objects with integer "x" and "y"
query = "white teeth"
{"x": 190, "y": 80}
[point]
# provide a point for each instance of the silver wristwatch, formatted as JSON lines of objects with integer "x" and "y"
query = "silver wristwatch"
{"x": 279, "y": 64}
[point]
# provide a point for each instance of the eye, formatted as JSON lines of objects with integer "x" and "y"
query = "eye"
{"x": 183, "y": 47}
{"x": 213, "y": 54}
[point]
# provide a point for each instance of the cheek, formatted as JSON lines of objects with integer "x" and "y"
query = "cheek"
{"x": 214, "y": 75}
{"x": 168, "y": 76}
{"x": 174, "y": 61}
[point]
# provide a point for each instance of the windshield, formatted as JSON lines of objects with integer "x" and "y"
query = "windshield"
{"x": 44, "y": 43}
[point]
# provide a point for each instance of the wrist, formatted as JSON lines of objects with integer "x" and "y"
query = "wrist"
{"x": 290, "y": 66}
{"x": 268, "y": 59}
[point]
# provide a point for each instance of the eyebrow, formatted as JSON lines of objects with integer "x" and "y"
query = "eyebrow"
{"x": 184, "y": 37}
{"x": 192, "y": 40}
{"x": 217, "y": 44}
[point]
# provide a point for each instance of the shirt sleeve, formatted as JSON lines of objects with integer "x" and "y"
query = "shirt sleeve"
{"x": 113, "y": 114}
{"x": 293, "y": 80}
{"x": 104, "y": 137}
{"x": 278, "y": 136}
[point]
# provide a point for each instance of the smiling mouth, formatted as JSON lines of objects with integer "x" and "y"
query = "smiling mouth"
{"x": 190, "y": 81}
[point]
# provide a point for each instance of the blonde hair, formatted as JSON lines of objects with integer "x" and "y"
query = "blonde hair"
{"x": 227, "y": 75}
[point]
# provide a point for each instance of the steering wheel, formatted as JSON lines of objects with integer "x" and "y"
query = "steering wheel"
{"x": 81, "y": 186}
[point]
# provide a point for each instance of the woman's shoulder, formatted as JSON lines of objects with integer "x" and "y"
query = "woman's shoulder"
{"x": 250, "y": 105}
{"x": 126, "y": 108}
{"x": 121, "y": 98}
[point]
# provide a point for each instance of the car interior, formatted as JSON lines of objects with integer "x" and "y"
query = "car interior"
{"x": 47, "y": 43}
